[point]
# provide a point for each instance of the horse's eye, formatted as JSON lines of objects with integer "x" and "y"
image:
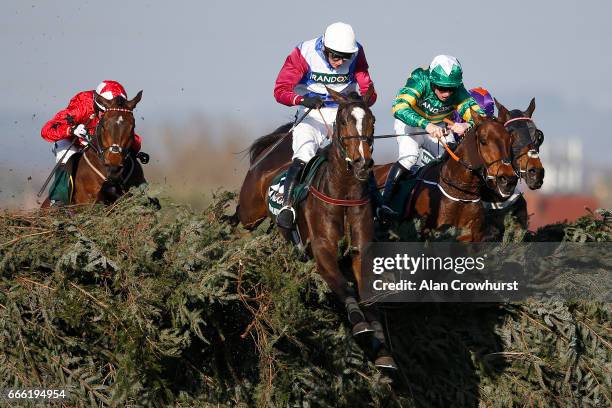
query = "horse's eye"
{"x": 482, "y": 141}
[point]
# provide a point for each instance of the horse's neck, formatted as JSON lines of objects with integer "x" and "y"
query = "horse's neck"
{"x": 340, "y": 182}
{"x": 455, "y": 171}
{"x": 94, "y": 162}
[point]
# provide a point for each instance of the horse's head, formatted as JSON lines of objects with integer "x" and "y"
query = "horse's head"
{"x": 527, "y": 141}
{"x": 490, "y": 153}
{"x": 354, "y": 131}
{"x": 115, "y": 132}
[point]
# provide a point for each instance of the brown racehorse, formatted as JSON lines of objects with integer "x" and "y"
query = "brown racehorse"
{"x": 449, "y": 193}
{"x": 338, "y": 205}
{"x": 107, "y": 169}
{"x": 527, "y": 139}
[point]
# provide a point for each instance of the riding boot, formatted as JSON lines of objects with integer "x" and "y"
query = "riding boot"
{"x": 286, "y": 216}
{"x": 59, "y": 192}
{"x": 397, "y": 171}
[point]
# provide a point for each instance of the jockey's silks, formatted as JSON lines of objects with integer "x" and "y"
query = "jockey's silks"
{"x": 417, "y": 105}
{"x": 321, "y": 74}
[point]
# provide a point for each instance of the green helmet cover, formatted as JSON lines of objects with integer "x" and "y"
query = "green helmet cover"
{"x": 438, "y": 76}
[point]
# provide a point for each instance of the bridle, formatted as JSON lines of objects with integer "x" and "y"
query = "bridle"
{"x": 536, "y": 138}
{"x": 113, "y": 148}
{"x": 482, "y": 171}
{"x": 338, "y": 140}
{"x": 99, "y": 149}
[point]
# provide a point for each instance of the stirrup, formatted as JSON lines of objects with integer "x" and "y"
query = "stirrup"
{"x": 279, "y": 219}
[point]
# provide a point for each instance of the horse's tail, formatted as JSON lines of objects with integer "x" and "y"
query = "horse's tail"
{"x": 265, "y": 141}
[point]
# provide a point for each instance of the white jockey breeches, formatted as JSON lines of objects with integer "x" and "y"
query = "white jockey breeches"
{"x": 414, "y": 150}
{"x": 311, "y": 134}
{"x": 60, "y": 147}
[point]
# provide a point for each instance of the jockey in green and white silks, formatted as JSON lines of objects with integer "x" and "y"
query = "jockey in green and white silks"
{"x": 428, "y": 97}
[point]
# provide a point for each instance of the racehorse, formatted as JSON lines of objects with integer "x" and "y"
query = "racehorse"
{"x": 448, "y": 193}
{"x": 338, "y": 204}
{"x": 527, "y": 139}
{"x": 107, "y": 169}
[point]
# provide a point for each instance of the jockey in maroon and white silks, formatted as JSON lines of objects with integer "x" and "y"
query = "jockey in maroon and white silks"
{"x": 334, "y": 60}
{"x": 81, "y": 112}
{"x": 306, "y": 72}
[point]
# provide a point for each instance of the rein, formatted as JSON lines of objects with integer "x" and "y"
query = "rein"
{"x": 97, "y": 148}
{"x": 337, "y": 201}
{"x": 482, "y": 171}
{"x": 338, "y": 141}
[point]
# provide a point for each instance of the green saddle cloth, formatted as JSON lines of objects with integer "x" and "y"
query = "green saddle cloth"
{"x": 300, "y": 192}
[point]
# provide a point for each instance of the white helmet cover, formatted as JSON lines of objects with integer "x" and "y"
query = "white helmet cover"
{"x": 340, "y": 37}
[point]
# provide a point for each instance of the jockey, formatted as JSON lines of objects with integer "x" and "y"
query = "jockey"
{"x": 429, "y": 96}
{"x": 78, "y": 120}
{"x": 483, "y": 98}
{"x": 334, "y": 60}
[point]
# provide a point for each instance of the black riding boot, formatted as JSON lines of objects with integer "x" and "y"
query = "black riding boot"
{"x": 396, "y": 172}
{"x": 286, "y": 216}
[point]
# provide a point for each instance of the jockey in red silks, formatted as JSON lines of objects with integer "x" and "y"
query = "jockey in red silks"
{"x": 77, "y": 120}
{"x": 335, "y": 60}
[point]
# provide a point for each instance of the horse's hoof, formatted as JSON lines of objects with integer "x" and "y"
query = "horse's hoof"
{"x": 385, "y": 362}
{"x": 361, "y": 328}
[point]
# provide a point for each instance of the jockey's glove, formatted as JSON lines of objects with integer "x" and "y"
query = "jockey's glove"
{"x": 435, "y": 130}
{"x": 313, "y": 102}
{"x": 79, "y": 131}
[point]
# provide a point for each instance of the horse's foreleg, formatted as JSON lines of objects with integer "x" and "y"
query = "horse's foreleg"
{"x": 325, "y": 252}
{"x": 362, "y": 232}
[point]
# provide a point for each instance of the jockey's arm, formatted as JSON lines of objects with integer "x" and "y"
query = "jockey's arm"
{"x": 75, "y": 113}
{"x": 293, "y": 70}
{"x": 405, "y": 102}
{"x": 137, "y": 143}
{"x": 362, "y": 76}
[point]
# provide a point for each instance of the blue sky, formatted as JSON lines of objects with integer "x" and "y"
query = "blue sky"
{"x": 220, "y": 58}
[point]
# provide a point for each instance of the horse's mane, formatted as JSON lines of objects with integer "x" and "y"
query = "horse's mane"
{"x": 263, "y": 142}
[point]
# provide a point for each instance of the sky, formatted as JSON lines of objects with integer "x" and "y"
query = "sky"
{"x": 220, "y": 59}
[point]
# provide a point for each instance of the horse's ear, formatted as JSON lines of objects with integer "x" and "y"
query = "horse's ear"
{"x": 368, "y": 94}
{"x": 132, "y": 104}
{"x": 502, "y": 112}
{"x": 101, "y": 101}
{"x": 475, "y": 116}
{"x": 337, "y": 96}
{"x": 531, "y": 108}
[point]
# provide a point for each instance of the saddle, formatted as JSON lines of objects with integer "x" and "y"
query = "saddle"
{"x": 62, "y": 188}
{"x": 300, "y": 192}
{"x": 405, "y": 186}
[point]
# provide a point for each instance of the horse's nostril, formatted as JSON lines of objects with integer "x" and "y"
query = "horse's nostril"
{"x": 369, "y": 163}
